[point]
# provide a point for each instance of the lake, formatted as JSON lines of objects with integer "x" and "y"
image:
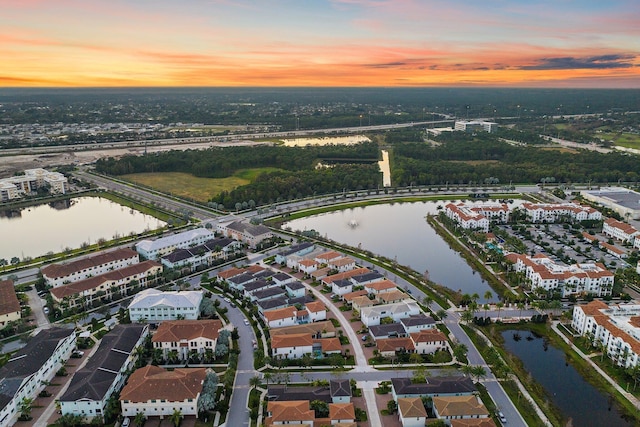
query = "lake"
{"x": 399, "y": 231}
{"x": 572, "y": 394}
{"x": 36, "y": 230}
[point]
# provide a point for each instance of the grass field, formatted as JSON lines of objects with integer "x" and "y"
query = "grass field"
{"x": 628, "y": 140}
{"x": 189, "y": 186}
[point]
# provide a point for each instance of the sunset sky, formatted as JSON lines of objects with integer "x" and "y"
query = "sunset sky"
{"x": 533, "y": 43}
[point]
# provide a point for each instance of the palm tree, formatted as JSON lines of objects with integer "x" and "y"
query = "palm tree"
{"x": 460, "y": 351}
{"x": 255, "y": 381}
{"x": 520, "y": 306}
{"x": 499, "y": 305}
{"x": 442, "y": 314}
{"x": 478, "y": 372}
{"x": 467, "y": 370}
{"x": 467, "y": 316}
{"x": 267, "y": 376}
{"x": 176, "y": 418}
{"x": 488, "y": 295}
{"x": 139, "y": 419}
{"x": 25, "y": 408}
{"x": 427, "y": 300}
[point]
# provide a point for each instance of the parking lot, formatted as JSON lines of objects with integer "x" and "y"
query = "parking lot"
{"x": 564, "y": 244}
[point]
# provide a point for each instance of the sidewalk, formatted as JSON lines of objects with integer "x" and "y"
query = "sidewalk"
{"x": 630, "y": 397}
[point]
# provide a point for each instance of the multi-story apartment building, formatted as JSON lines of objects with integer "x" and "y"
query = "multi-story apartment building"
{"x": 620, "y": 231}
{"x": 155, "y": 249}
{"x": 154, "y": 306}
{"x": 544, "y": 273}
{"x": 554, "y": 212}
{"x": 614, "y": 329}
{"x": 16, "y": 186}
{"x": 157, "y": 392}
{"x": 59, "y": 274}
{"x": 244, "y": 231}
{"x": 186, "y": 336}
{"x": 31, "y": 367}
{"x": 106, "y": 284}
{"x": 105, "y": 372}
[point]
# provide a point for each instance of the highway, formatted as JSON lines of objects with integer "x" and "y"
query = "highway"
{"x": 215, "y": 140}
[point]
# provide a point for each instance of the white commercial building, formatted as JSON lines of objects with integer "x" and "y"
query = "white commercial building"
{"x": 155, "y": 249}
{"x": 475, "y": 125}
{"x": 154, "y": 306}
{"x": 621, "y": 200}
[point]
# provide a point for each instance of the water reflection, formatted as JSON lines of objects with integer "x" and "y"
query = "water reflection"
{"x": 55, "y": 226}
{"x": 576, "y": 398}
{"x": 399, "y": 231}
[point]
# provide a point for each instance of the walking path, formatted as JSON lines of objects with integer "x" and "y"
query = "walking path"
{"x": 630, "y": 397}
{"x": 369, "y": 394}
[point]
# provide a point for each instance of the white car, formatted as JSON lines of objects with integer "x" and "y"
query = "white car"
{"x": 503, "y": 419}
{"x": 246, "y": 322}
{"x": 126, "y": 422}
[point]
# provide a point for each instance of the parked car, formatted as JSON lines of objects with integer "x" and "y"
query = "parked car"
{"x": 503, "y": 419}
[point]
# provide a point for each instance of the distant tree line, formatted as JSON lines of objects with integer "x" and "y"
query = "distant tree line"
{"x": 462, "y": 159}
{"x": 278, "y": 186}
{"x": 224, "y": 162}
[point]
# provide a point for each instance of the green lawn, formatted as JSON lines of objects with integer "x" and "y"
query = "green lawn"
{"x": 191, "y": 187}
{"x": 628, "y": 140}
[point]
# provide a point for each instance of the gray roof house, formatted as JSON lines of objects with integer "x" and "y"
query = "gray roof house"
{"x": 25, "y": 372}
{"x": 435, "y": 386}
{"x": 104, "y": 373}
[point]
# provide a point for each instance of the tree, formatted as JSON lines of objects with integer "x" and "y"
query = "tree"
{"x": 460, "y": 351}
{"x": 467, "y": 369}
{"x": 442, "y": 314}
{"x": 176, "y": 418}
{"x": 320, "y": 407}
{"x": 488, "y": 295}
{"x": 392, "y": 406}
{"x": 139, "y": 419}
{"x": 467, "y": 316}
{"x": 499, "y": 305}
{"x": 478, "y": 372}
{"x": 70, "y": 420}
{"x": 267, "y": 376}
{"x": 25, "y": 408}
{"x": 255, "y": 381}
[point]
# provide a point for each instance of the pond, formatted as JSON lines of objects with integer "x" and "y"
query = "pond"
{"x": 578, "y": 400}
{"x": 37, "y": 230}
{"x": 399, "y": 231}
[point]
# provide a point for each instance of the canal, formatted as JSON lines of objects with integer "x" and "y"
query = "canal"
{"x": 578, "y": 400}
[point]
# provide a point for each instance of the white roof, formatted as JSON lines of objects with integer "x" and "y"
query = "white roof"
{"x": 389, "y": 309}
{"x": 153, "y": 297}
{"x": 174, "y": 240}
